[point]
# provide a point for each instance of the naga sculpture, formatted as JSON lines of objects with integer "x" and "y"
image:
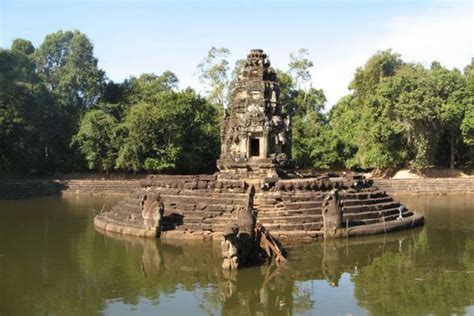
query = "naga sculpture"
{"x": 332, "y": 215}
{"x": 245, "y": 242}
{"x": 152, "y": 211}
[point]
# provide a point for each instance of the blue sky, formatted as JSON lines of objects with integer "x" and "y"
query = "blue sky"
{"x": 133, "y": 37}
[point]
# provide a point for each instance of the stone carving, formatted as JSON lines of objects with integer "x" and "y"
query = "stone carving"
{"x": 255, "y": 129}
{"x": 229, "y": 247}
{"x": 152, "y": 211}
{"x": 332, "y": 215}
{"x": 238, "y": 244}
{"x": 246, "y": 242}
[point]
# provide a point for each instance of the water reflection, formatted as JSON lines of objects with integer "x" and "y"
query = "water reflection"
{"x": 52, "y": 261}
{"x": 273, "y": 289}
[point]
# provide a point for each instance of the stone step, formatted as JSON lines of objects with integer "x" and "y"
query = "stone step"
{"x": 386, "y": 218}
{"x": 202, "y": 214}
{"x": 286, "y": 212}
{"x": 280, "y": 226}
{"x": 186, "y": 199}
{"x": 303, "y": 197}
{"x": 368, "y": 208}
{"x": 290, "y": 219}
{"x": 369, "y": 215}
{"x": 364, "y": 195}
{"x": 298, "y": 219}
{"x": 303, "y": 204}
{"x": 297, "y": 234}
{"x": 195, "y": 227}
{"x": 347, "y": 202}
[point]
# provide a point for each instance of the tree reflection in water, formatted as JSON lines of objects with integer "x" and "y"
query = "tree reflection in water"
{"x": 388, "y": 273}
{"x": 52, "y": 261}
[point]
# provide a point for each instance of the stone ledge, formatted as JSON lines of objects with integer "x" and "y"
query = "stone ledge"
{"x": 427, "y": 185}
{"x": 20, "y": 189}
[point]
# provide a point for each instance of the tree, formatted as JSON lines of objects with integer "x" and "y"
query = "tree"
{"x": 27, "y": 110}
{"x": 402, "y": 114}
{"x": 467, "y": 127}
{"x": 378, "y": 136}
{"x": 147, "y": 85}
{"x": 213, "y": 72}
{"x": 66, "y": 63}
{"x": 234, "y": 78}
{"x": 450, "y": 88}
{"x": 299, "y": 66}
{"x": 23, "y": 46}
{"x": 288, "y": 92}
{"x": 381, "y": 65}
{"x": 314, "y": 145}
{"x": 68, "y": 69}
{"x": 467, "y": 124}
{"x": 344, "y": 121}
{"x": 177, "y": 132}
{"x": 97, "y": 139}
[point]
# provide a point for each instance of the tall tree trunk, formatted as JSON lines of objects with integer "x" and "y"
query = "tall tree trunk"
{"x": 451, "y": 163}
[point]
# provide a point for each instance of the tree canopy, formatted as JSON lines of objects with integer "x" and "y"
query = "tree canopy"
{"x": 60, "y": 113}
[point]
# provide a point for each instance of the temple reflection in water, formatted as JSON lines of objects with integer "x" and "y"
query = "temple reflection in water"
{"x": 271, "y": 289}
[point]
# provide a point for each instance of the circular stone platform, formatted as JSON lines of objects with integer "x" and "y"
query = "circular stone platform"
{"x": 199, "y": 207}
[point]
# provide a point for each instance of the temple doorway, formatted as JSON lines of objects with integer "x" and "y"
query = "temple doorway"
{"x": 254, "y": 147}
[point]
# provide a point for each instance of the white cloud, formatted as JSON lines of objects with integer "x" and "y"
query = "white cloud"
{"x": 445, "y": 35}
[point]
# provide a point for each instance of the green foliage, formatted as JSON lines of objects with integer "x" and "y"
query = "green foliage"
{"x": 22, "y": 46}
{"x": 314, "y": 143}
{"x": 343, "y": 121}
{"x": 27, "y": 136}
{"x": 213, "y": 71}
{"x": 401, "y": 114}
{"x": 67, "y": 65}
{"x": 177, "y": 131}
{"x": 467, "y": 124}
{"x": 59, "y": 113}
{"x": 96, "y": 139}
{"x": 145, "y": 87}
{"x": 288, "y": 92}
{"x": 299, "y": 67}
{"x": 467, "y": 127}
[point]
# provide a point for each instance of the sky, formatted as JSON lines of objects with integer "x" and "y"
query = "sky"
{"x": 134, "y": 37}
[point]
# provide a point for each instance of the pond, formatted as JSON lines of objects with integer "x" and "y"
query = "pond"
{"x": 53, "y": 261}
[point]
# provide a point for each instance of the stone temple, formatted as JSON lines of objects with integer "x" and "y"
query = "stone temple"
{"x": 256, "y": 135}
{"x": 255, "y": 177}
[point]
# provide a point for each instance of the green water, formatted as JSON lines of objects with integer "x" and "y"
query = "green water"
{"x": 53, "y": 262}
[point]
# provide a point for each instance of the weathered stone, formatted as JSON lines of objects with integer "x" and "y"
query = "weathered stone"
{"x": 255, "y": 134}
{"x": 152, "y": 212}
{"x": 332, "y": 214}
{"x": 256, "y": 149}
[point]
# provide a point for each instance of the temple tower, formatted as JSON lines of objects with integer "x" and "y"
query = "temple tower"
{"x": 255, "y": 133}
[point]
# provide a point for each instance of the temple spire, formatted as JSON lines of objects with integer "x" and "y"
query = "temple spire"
{"x": 255, "y": 135}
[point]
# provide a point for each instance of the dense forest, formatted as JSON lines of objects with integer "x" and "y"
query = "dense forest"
{"x": 60, "y": 113}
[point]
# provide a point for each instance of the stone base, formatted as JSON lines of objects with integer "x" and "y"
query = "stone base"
{"x": 199, "y": 207}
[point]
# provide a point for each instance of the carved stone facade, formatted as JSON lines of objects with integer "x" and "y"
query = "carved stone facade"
{"x": 255, "y": 133}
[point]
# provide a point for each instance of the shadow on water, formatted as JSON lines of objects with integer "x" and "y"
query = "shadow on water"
{"x": 52, "y": 261}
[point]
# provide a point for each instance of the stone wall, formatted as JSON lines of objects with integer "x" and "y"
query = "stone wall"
{"x": 427, "y": 185}
{"x": 22, "y": 189}
{"x": 99, "y": 187}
